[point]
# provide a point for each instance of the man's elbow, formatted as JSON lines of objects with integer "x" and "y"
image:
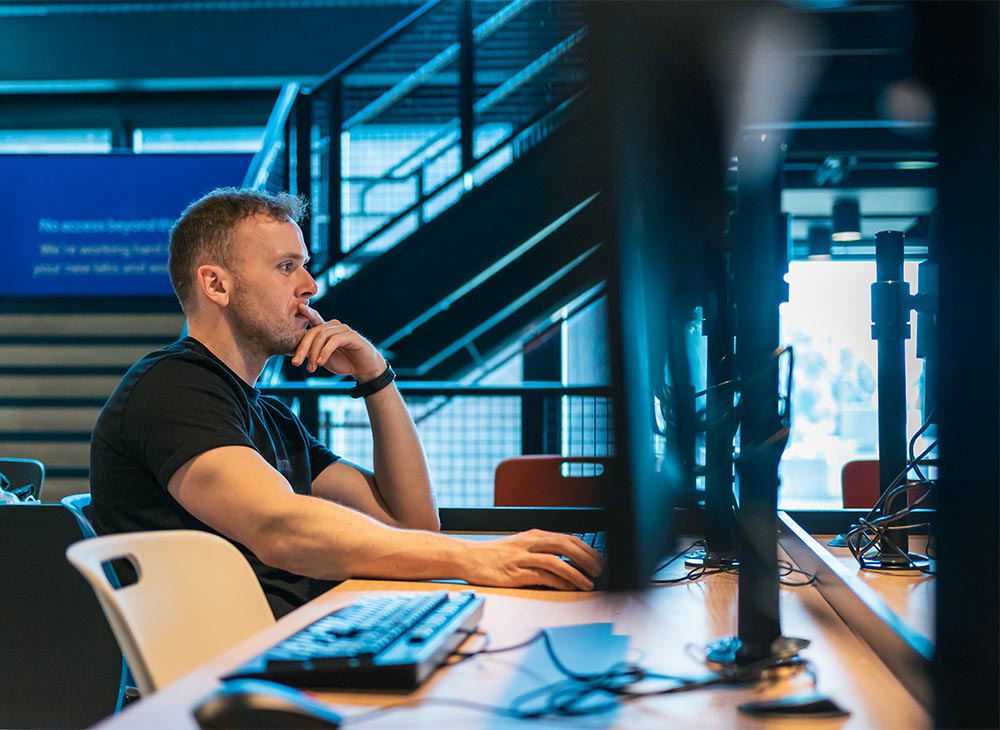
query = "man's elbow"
{"x": 430, "y": 522}
{"x": 275, "y": 543}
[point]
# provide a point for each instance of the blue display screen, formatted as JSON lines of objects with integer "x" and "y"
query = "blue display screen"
{"x": 80, "y": 225}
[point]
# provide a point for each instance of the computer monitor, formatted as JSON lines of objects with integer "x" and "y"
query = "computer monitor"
{"x": 662, "y": 139}
{"x": 664, "y": 195}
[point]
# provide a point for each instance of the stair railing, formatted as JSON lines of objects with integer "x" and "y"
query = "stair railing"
{"x": 268, "y": 168}
{"x": 445, "y": 100}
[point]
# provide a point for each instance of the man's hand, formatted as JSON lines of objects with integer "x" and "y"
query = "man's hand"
{"x": 338, "y": 348}
{"x": 532, "y": 558}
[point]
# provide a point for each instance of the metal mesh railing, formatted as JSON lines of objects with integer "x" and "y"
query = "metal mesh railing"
{"x": 466, "y": 430}
{"x": 402, "y": 132}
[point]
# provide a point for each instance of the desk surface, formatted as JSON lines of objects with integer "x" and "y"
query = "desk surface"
{"x": 663, "y": 622}
{"x": 909, "y": 593}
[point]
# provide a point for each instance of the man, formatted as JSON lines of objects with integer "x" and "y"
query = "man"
{"x": 187, "y": 441}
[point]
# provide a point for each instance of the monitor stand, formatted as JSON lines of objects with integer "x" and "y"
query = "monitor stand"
{"x": 760, "y": 260}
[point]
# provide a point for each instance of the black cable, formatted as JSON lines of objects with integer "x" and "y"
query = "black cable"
{"x": 583, "y": 694}
{"x": 465, "y": 655}
{"x": 786, "y": 568}
{"x": 914, "y": 460}
{"x": 700, "y": 571}
{"x": 872, "y": 528}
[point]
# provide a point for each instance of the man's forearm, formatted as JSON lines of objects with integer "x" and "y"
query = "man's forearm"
{"x": 320, "y": 539}
{"x": 401, "y": 472}
{"x": 324, "y": 540}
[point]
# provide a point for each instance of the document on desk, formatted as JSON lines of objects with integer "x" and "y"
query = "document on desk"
{"x": 588, "y": 648}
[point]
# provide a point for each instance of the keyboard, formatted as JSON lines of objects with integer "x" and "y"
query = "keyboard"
{"x": 385, "y": 641}
{"x": 596, "y": 540}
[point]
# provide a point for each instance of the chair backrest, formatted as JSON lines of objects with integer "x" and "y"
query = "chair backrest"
{"x": 23, "y": 473}
{"x": 61, "y": 665}
{"x": 77, "y": 503}
{"x": 860, "y": 487}
{"x": 195, "y": 596}
{"x": 859, "y": 483}
{"x": 540, "y": 481}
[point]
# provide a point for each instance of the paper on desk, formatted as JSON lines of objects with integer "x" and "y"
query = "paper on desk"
{"x": 588, "y": 648}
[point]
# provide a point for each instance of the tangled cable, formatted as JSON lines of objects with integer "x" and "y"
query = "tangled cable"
{"x": 879, "y": 523}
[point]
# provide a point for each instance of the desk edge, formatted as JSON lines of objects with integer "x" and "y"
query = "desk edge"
{"x": 906, "y": 653}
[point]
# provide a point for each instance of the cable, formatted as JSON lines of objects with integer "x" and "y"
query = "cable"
{"x": 871, "y": 529}
{"x": 465, "y": 655}
{"x": 698, "y": 572}
{"x": 913, "y": 460}
{"x": 786, "y": 568}
{"x": 582, "y": 694}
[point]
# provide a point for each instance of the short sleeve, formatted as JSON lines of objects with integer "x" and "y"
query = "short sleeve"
{"x": 180, "y": 409}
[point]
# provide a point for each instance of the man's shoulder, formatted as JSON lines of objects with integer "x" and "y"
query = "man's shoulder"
{"x": 177, "y": 368}
{"x": 183, "y": 357}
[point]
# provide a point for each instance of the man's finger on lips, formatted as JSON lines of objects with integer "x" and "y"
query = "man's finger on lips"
{"x": 311, "y": 314}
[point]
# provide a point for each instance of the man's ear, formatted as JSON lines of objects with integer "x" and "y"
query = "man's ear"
{"x": 214, "y": 284}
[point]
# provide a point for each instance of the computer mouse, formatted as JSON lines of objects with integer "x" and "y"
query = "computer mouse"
{"x": 255, "y": 704}
{"x": 803, "y": 704}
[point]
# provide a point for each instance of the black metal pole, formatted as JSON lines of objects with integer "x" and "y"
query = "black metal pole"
{"x": 467, "y": 85}
{"x": 891, "y": 329}
{"x": 760, "y": 261}
{"x": 720, "y": 516}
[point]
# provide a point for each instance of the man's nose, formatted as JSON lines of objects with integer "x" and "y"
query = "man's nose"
{"x": 308, "y": 286}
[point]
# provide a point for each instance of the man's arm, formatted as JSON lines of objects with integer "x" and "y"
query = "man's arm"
{"x": 399, "y": 492}
{"x": 235, "y": 491}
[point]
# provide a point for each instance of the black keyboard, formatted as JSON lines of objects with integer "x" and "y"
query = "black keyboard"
{"x": 596, "y": 540}
{"x": 392, "y": 641}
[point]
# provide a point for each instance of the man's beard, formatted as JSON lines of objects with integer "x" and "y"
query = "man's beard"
{"x": 258, "y": 333}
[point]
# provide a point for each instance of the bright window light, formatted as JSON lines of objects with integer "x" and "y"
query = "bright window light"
{"x": 55, "y": 140}
{"x": 834, "y": 392}
{"x": 198, "y": 139}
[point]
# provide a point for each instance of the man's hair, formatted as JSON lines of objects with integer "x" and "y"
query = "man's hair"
{"x": 204, "y": 232}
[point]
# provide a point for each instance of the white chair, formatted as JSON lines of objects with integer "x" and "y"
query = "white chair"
{"x": 195, "y": 596}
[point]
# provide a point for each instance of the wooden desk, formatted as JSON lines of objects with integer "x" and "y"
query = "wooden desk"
{"x": 663, "y": 622}
{"x": 909, "y": 593}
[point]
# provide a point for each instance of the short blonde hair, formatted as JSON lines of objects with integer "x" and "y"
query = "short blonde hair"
{"x": 204, "y": 232}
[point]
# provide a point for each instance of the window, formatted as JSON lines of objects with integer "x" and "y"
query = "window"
{"x": 198, "y": 139}
{"x": 834, "y": 394}
{"x": 54, "y": 140}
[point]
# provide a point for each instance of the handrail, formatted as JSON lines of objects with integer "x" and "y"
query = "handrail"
{"x": 397, "y": 171}
{"x": 274, "y": 133}
{"x": 375, "y": 45}
{"x": 391, "y": 96}
{"x": 504, "y": 312}
{"x": 318, "y": 386}
{"x": 358, "y": 249}
{"x": 454, "y": 296}
{"x": 323, "y": 103}
{"x": 309, "y": 392}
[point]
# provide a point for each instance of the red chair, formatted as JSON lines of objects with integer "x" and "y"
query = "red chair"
{"x": 538, "y": 481}
{"x": 859, "y": 484}
{"x": 860, "y": 488}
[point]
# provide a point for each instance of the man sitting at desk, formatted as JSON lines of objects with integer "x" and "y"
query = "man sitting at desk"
{"x": 186, "y": 441}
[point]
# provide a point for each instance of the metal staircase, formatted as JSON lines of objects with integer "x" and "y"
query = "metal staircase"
{"x": 449, "y": 215}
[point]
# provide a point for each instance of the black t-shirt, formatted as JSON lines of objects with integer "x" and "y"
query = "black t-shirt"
{"x": 172, "y": 405}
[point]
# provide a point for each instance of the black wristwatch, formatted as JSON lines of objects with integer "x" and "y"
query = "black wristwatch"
{"x": 363, "y": 390}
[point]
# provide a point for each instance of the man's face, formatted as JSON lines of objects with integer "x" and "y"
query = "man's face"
{"x": 270, "y": 282}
